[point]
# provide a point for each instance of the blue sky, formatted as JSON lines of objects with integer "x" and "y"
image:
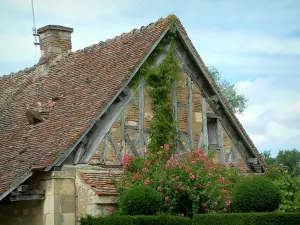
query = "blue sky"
{"x": 255, "y": 44}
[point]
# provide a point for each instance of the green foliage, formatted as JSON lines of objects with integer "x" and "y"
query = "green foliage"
{"x": 159, "y": 78}
{"x": 141, "y": 200}
{"x": 135, "y": 220}
{"x": 268, "y": 158}
{"x": 289, "y": 160}
{"x": 237, "y": 100}
{"x": 189, "y": 183}
{"x": 255, "y": 194}
{"x": 289, "y": 188}
{"x": 247, "y": 219}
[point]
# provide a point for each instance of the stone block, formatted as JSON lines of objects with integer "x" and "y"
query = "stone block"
{"x": 67, "y": 204}
{"x": 67, "y": 219}
{"x": 49, "y": 219}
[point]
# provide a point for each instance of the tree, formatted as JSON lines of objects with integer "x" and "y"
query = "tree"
{"x": 290, "y": 160}
{"x": 230, "y": 92}
{"x": 268, "y": 158}
{"x": 286, "y": 159}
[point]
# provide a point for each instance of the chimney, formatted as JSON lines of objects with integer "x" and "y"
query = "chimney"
{"x": 54, "y": 40}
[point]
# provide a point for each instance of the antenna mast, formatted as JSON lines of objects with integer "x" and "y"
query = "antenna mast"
{"x": 34, "y": 27}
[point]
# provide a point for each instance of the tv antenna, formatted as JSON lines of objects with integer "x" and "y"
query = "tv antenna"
{"x": 36, "y": 43}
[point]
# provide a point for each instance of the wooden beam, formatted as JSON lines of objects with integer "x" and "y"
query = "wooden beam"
{"x": 175, "y": 114}
{"x": 131, "y": 145}
{"x": 105, "y": 124}
{"x": 30, "y": 192}
{"x": 234, "y": 155}
{"x": 200, "y": 140}
{"x": 141, "y": 118}
{"x": 253, "y": 160}
{"x": 115, "y": 147}
{"x": 104, "y": 151}
{"x": 221, "y": 142}
{"x": 204, "y": 126}
{"x": 79, "y": 153}
{"x": 190, "y": 113}
{"x": 123, "y": 130}
{"x": 26, "y": 198}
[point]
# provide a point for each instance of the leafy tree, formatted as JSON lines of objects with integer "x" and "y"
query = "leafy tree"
{"x": 230, "y": 92}
{"x": 268, "y": 158}
{"x": 286, "y": 159}
{"x": 290, "y": 160}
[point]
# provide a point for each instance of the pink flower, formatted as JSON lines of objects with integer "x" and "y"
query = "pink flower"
{"x": 144, "y": 150}
{"x": 110, "y": 209}
{"x": 137, "y": 176}
{"x": 161, "y": 181}
{"x": 224, "y": 191}
{"x": 147, "y": 163}
{"x": 144, "y": 170}
{"x": 222, "y": 180}
{"x": 166, "y": 198}
{"x": 159, "y": 188}
{"x": 231, "y": 164}
{"x": 227, "y": 203}
{"x": 161, "y": 146}
{"x": 192, "y": 176}
{"x": 167, "y": 147}
{"x": 181, "y": 214}
{"x": 147, "y": 181}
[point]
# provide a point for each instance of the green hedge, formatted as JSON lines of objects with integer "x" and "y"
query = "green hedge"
{"x": 135, "y": 220}
{"x": 247, "y": 219}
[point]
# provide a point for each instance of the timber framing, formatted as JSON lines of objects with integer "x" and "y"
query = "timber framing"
{"x": 192, "y": 67}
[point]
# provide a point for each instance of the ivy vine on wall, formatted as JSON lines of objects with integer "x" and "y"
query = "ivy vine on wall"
{"x": 159, "y": 79}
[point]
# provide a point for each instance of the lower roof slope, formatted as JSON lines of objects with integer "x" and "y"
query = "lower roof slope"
{"x": 83, "y": 81}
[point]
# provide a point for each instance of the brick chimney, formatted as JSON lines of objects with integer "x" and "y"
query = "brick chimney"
{"x": 54, "y": 40}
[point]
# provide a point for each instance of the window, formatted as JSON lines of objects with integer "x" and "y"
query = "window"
{"x": 212, "y": 134}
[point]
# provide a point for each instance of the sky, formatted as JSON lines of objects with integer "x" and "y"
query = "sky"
{"x": 255, "y": 45}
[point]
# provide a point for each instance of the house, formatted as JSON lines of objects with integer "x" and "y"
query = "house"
{"x": 66, "y": 120}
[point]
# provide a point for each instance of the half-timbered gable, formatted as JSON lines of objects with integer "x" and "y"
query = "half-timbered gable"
{"x": 66, "y": 123}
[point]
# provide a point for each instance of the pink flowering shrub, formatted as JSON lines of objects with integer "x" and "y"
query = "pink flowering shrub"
{"x": 189, "y": 182}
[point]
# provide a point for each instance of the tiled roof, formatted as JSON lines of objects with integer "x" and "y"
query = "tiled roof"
{"x": 84, "y": 81}
{"x": 102, "y": 181}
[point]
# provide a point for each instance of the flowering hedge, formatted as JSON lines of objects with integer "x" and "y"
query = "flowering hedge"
{"x": 189, "y": 182}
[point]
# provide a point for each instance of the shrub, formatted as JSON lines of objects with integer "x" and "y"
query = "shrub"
{"x": 135, "y": 220}
{"x": 255, "y": 194}
{"x": 247, "y": 219}
{"x": 141, "y": 200}
{"x": 289, "y": 188}
{"x": 190, "y": 182}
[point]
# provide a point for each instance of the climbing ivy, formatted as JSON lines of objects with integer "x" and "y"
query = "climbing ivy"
{"x": 159, "y": 79}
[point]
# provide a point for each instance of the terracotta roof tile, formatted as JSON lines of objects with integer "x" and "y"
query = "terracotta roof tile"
{"x": 102, "y": 181}
{"x": 85, "y": 81}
